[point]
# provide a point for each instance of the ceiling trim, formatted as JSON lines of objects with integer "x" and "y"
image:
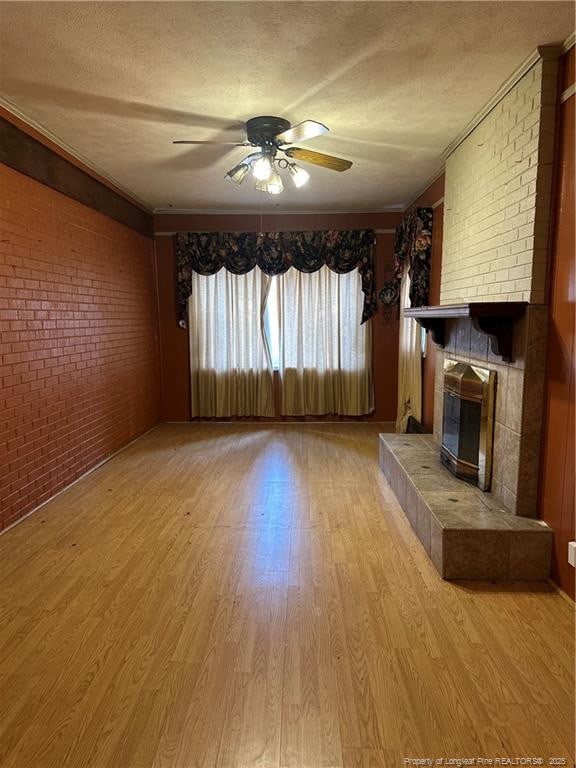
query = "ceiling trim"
{"x": 173, "y": 232}
{"x": 83, "y": 163}
{"x": 25, "y": 153}
{"x": 253, "y": 212}
{"x": 569, "y": 42}
{"x": 568, "y": 93}
{"x": 429, "y": 183}
{"x": 542, "y": 52}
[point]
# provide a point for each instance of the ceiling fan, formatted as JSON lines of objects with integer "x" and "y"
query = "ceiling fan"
{"x": 271, "y": 135}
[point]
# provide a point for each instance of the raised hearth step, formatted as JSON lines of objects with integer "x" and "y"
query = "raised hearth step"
{"x": 468, "y": 533}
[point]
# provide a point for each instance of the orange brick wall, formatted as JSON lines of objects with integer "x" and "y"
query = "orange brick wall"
{"x": 79, "y": 363}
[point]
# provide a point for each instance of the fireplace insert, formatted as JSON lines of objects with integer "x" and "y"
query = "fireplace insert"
{"x": 468, "y": 422}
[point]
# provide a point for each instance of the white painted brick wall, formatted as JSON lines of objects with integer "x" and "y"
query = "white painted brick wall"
{"x": 497, "y": 198}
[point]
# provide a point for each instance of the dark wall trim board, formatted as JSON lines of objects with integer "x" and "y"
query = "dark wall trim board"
{"x": 23, "y": 153}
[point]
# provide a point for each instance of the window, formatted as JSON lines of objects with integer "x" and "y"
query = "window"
{"x": 272, "y": 324}
{"x": 409, "y": 362}
{"x": 325, "y": 353}
{"x": 230, "y": 375}
{"x": 306, "y": 326}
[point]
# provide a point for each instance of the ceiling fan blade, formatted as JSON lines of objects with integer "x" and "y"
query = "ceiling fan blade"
{"x": 302, "y": 131}
{"x": 318, "y": 158}
{"x": 223, "y": 143}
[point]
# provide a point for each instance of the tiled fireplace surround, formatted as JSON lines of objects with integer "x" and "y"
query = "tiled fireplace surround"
{"x": 468, "y": 533}
{"x": 519, "y": 400}
{"x": 495, "y": 248}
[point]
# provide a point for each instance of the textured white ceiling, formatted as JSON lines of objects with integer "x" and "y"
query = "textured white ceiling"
{"x": 395, "y": 81}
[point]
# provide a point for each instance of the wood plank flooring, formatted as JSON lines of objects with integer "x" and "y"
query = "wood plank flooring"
{"x": 252, "y": 595}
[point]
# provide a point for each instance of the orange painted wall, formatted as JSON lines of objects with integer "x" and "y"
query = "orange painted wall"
{"x": 79, "y": 366}
{"x": 174, "y": 354}
{"x": 174, "y": 340}
{"x": 431, "y": 197}
{"x": 557, "y": 458}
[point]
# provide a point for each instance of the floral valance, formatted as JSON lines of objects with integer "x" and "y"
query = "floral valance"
{"x": 413, "y": 245}
{"x": 274, "y": 253}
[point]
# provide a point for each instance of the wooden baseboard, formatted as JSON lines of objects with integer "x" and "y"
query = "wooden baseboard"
{"x": 78, "y": 479}
{"x": 561, "y": 592}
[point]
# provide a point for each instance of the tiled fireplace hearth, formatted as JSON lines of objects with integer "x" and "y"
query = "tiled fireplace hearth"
{"x": 470, "y": 533}
{"x": 467, "y": 533}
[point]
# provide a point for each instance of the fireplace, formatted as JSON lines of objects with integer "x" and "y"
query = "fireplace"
{"x": 468, "y": 422}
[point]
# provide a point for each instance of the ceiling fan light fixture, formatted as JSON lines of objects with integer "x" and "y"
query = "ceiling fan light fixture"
{"x": 269, "y": 136}
{"x": 298, "y": 175}
{"x": 273, "y": 185}
{"x": 238, "y": 173}
{"x": 262, "y": 168}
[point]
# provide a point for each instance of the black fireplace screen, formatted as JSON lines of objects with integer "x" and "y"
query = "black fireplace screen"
{"x": 467, "y": 424}
{"x": 461, "y": 428}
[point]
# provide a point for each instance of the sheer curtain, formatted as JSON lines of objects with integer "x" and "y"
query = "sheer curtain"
{"x": 230, "y": 366}
{"x": 409, "y": 362}
{"x": 325, "y": 354}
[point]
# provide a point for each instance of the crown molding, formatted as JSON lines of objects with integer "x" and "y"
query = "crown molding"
{"x": 429, "y": 183}
{"x": 542, "y": 53}
{"x": 551, "y": 52}
{"x": 173, "y": 232}
{"x": 264, "y": 214}
{"x": 568, "y": 93}
{"x": 569, "y": 42}
{"x": 86, "y": 165}
{"x": 24, "y": 151}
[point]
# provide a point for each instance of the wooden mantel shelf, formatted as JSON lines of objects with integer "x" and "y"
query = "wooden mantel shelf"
{"x": 495, "y": 319}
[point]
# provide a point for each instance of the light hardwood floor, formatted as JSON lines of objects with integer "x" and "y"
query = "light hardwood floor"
{"x": 241, "y": 595}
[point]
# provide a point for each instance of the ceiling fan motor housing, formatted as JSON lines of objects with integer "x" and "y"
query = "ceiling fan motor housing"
{"x": 263, "y": 130}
